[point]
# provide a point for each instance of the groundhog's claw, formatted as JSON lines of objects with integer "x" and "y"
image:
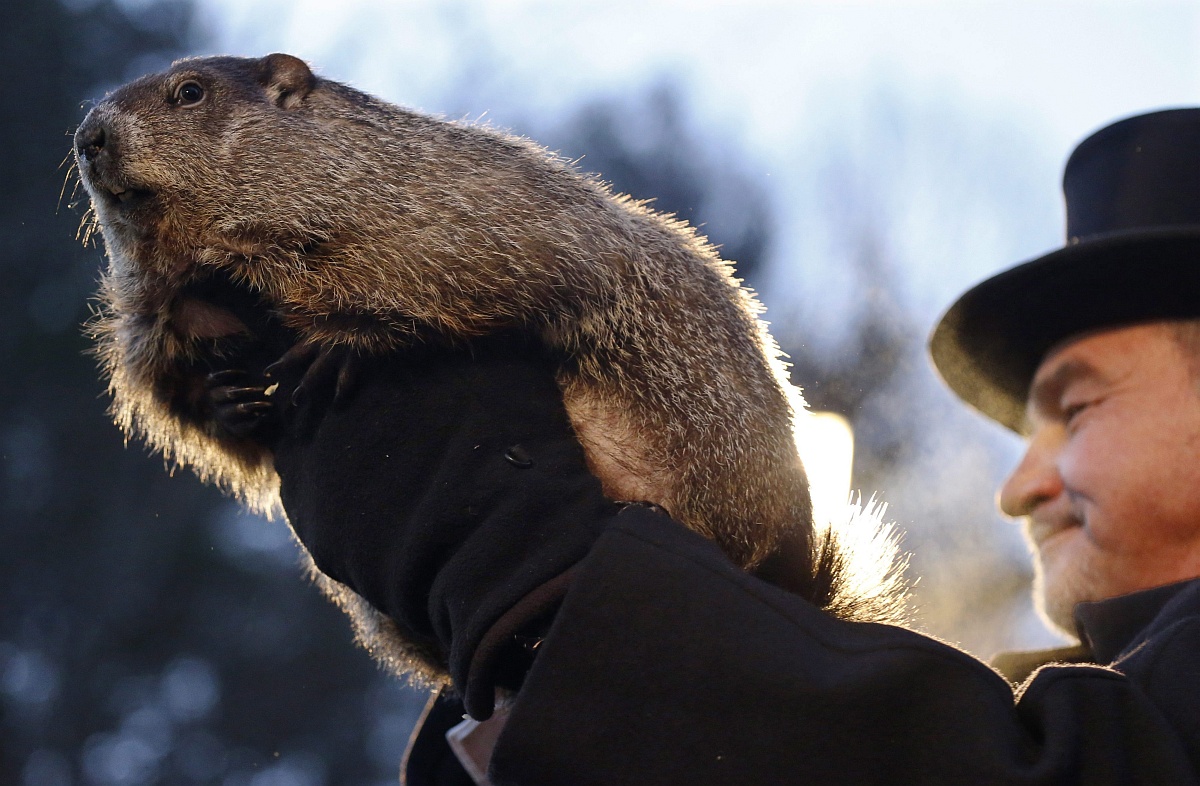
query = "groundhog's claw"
{"x": 325, "y": 365}
{"x": 242, "y": 407}
{"x": 295, "y": 358}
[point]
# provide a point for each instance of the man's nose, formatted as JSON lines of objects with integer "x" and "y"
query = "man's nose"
{"x": 1035, "y": 480}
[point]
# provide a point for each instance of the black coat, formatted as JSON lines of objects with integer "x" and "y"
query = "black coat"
{"x": 668, "y": 665}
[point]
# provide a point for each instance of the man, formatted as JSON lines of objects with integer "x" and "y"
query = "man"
{"x": 1111, "y": 415}
{"x": 1091, "y": 353}
{"x": 640, "y": 655}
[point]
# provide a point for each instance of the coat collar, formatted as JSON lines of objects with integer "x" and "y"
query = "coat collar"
{"x": 1116, "y": 626}
{"x": 1108, "y": 629}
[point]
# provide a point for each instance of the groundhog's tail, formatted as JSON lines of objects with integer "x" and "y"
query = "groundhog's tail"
{"x": 858, "y": 568}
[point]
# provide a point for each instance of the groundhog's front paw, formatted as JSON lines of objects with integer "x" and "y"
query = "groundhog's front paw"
{"x": 320, "y": 369}
{"x": 241, "y": 404}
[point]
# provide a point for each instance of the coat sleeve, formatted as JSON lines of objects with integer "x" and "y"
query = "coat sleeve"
{"x": 668, "y": 665}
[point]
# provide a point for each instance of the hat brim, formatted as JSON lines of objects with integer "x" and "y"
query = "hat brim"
{"x": 989, "y": 344}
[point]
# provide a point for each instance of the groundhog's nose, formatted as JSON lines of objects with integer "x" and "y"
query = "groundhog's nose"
{"x": 90, "y": 138}
{"x": 97, "y": 146}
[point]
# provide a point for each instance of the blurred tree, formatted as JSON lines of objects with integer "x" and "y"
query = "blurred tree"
{"x": 149, "y": 633}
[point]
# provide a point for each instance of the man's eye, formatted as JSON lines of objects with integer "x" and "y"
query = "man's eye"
{"x": 1071, "y": 411}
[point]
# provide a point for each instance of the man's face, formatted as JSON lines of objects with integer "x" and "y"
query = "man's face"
{"x": 1110, "y": 482}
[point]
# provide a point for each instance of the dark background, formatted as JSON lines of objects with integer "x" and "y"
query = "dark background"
{"x": 149, "y": 631}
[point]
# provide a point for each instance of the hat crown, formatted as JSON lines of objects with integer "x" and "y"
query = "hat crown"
{"x": 1136, "y": 174}
{"x": 1132, "y": 255}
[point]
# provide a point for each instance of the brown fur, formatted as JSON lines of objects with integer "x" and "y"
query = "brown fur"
{"x": 355, "y": 222}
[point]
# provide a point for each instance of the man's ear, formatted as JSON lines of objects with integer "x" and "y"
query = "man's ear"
{"x": 287, "y": 79}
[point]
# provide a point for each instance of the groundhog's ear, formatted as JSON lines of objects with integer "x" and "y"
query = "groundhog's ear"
{"x": 287, "y": 80}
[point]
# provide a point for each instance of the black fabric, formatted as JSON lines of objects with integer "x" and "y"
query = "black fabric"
{"x": 668, "y": 665}
{"x": 988, "y": 346}
{"x": 1110, "y": 628}
{"x": 447, "y": 490}
{"x": 429, "y": 761}
{"x": 1132, "y": 255}
{"x": 1139, "y": 173}
{"x": 665, "y": 663}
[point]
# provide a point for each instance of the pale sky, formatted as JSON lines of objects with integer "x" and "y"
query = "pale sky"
{"x": 1067, "y": 66}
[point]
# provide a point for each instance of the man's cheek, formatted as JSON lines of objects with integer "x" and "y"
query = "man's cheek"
{"x": 1087, "y": 463}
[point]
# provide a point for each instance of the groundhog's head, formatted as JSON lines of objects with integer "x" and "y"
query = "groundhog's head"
{"x": 190, "y": 166}
{"x": 307, "y": 193}
{"x": 192, "y": 174}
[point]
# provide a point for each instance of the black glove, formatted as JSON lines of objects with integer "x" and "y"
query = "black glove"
{"x": 449, "y": 490}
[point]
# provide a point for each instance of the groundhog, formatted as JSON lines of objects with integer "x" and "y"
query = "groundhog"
{"x": 249, "y": 207}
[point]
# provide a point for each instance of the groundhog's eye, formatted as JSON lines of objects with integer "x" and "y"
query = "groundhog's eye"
{"x": 189, "y": 93}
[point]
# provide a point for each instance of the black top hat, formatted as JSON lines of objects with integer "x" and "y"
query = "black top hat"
{"x": 1132, "y": 255}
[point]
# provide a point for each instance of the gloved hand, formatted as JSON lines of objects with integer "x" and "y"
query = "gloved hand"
{"x": 449, "y": 490}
